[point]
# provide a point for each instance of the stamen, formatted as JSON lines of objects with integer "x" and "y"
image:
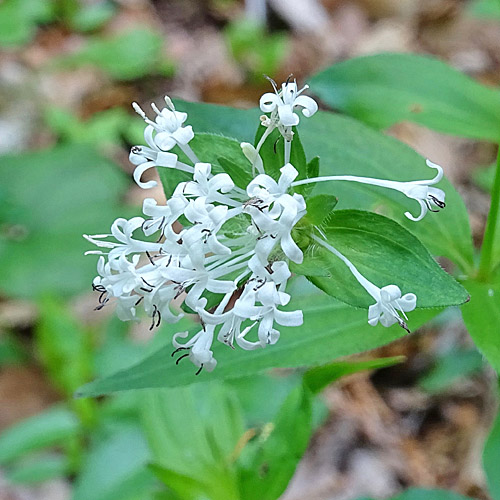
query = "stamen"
{"x": 181, "y": 357}
{"x": 199, "y": 370}
{"x": 179, "y": 349}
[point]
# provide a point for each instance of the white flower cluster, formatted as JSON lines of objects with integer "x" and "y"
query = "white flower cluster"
{"x": 228, "y": 261}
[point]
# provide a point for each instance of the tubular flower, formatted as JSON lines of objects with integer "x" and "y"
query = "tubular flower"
{"x": 222, "y": 248}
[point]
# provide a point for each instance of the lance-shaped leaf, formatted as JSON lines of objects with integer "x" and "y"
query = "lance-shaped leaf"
{"x": 332, "y": 330}
{"x": 384, "y": 89}
{"x": 386, "y": 254}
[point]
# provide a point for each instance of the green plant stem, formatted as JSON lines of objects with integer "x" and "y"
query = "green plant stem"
{"x": 491, "y": 226}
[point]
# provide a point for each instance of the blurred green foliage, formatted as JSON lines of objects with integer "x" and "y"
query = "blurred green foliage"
{"x": 48, "y": 199}
{"x": 256, "y": 50}
{"x": 125, "y": 56}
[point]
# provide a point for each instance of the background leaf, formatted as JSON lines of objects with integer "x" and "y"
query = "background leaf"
{"x": 192, "y": 432}
{"x": 115, "y": 468}
{"x": 53, "y": 426}
{"x": 419, "y": 88}
{"x": 126, "y": 56}
{"x": 72, "y": 190}
{"x": 491, "y": 459}
{"x": 482, "y": 317}
{"x": 331, "y": 330}
{"x": 423, "y": 494}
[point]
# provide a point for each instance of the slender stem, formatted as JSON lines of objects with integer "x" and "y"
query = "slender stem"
{"x": 351, "y": 178}
{"x": 491, "y": 226}
{"x": 186, "y": 149}
{"x": 288, "y": 147}
{"x": 372, "y": 289}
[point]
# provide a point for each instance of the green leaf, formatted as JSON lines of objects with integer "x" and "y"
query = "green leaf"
{"x": 484, "y": 176}
{"x": 331, "y": 330}
{"x": 11, "y": 351}
{"x": 126, "y": 56}
{"x": 491, "y": 459}
{"x": 423, "y": 494}
{"x": 312, "y": 170}
{"x": 385, "y": 253}
{"x": 453, "y": 366}
{"x": 240, "y": 176}
{"x": 116, "y": 468}
{"x": 487, "y": 9}
{"x": 192, "y": 440}
{"x": 209, "y": 148}
{"x": 89, "y": 17}
{"x": 319, "y": 207}
{"x": 40, "y": 469}
{"x": 316, "y": 379}
{"x": 66, "y": 352}
{"x": 258, "y": 51}
{"x": 48, "y": 199}
{"x": 266, "y": 466}
{"x": 482, "y": 317}
{"x": 18, "y": 20}
{"x": 385, "y": 89}
{"x": 53, "y": 426}
{"x": 103, "y": 128}
{"x": 359, "y": 150}
{"x": 273, "y": 154}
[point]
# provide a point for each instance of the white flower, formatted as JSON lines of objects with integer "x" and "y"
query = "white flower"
{"x": 145, "y": 158}
{"x": 168, "y": 126}
{"x": 429, "y": 198}
{"x": 162, "y": 215}
{"x": 118, "y": 277}
{"x": 388, "y": 300}
{"x": 210, "y": 187}
{"x": 284, "y": 102}
{"x": 122, "y": 230}
{"x": 199, "y": 348}
{"x": 388, "y": 304}
{"x": 274, "y": 213}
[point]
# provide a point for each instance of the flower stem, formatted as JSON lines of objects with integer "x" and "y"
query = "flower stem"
{"x": 491, "y": 226}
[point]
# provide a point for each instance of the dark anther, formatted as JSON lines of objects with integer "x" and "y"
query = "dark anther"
{"x": 102, "y": 298}
{"x": 269, "y": 269}
{"x": 145, "y": 289}
{"x": 439, "y": 203}
{"x": 181, "y": 357}
{"x": 139, "y": 301}
{"x": 98, "y": 288}
{"x": 273, "y": 236}
{"x": 153, "y": 317}
{"x": 136, "y": 149}
{"x": 147, "y": 283}
{"x": 429, "y": 206}
{"x": 150, "y": 258}
{"x": 199, "y": 369}
{"x": 179, "y": 241}
{"x": 290, "y": 76}
{"x": 169, "y": 261}
{"x": 273, "y": 83}
{"x": 403, "y": 325}
{"x": 179, "y": 349}
{"x": 101, "y": 305}
{"x": 159, "y": 318}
